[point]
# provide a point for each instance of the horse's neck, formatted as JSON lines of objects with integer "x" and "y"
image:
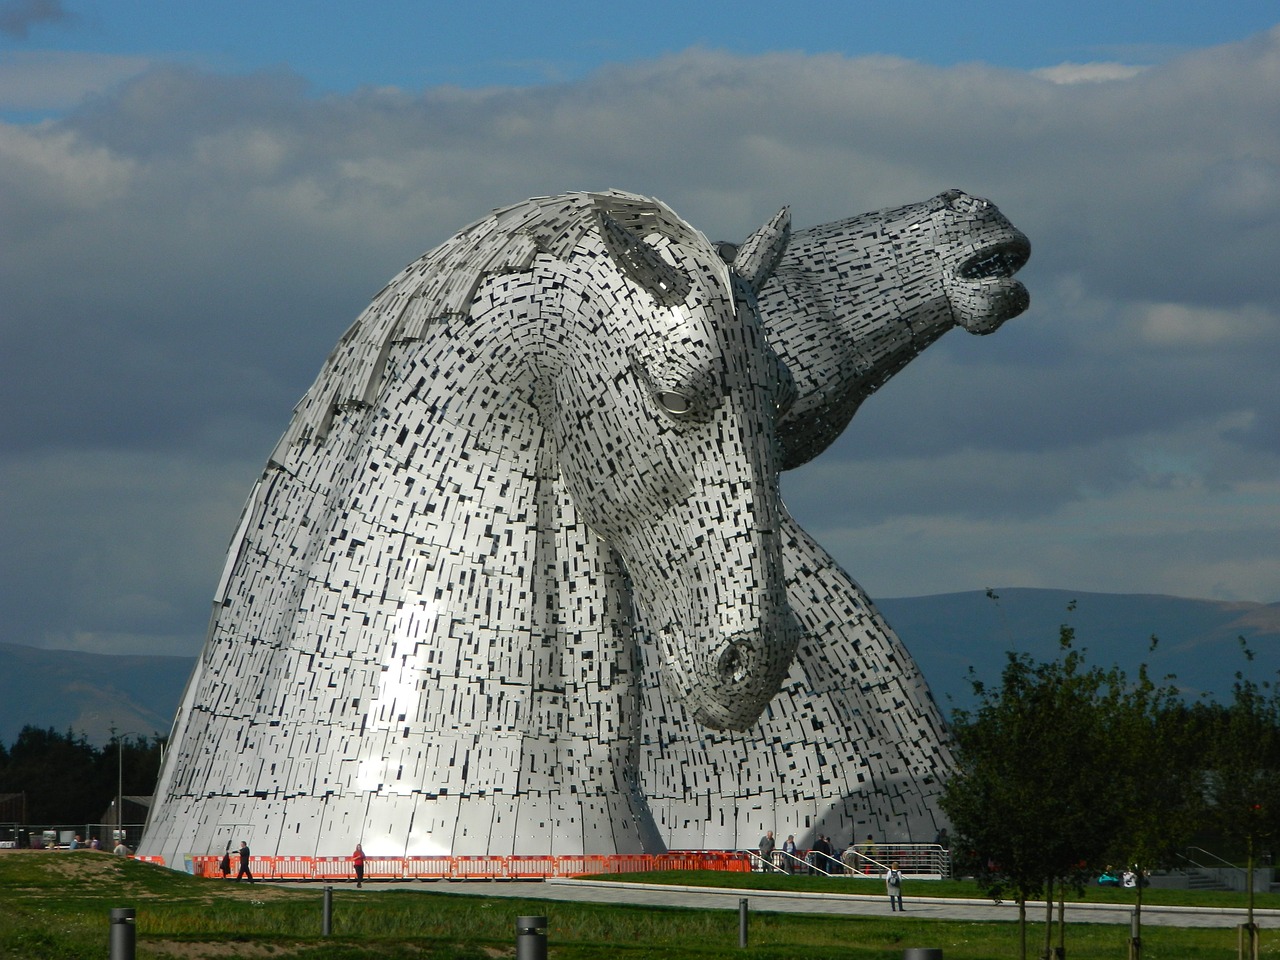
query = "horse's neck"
{"x": 845, "y": 321}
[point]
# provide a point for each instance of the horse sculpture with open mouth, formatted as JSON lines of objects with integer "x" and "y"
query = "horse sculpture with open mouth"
{"x": 517, "y": 579}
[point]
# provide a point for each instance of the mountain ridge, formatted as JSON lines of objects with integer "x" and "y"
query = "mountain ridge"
{"x": 947, "y": 633}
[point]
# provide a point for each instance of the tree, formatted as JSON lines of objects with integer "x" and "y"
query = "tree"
{"x": 1025, "y": 797}
{"x": 1156, "y": 781}
{"x": 69, "y": 781}
{"x": 56, "y": 772}
{"x": 1244, "y": 763}
{"x": 1062, "y": 767}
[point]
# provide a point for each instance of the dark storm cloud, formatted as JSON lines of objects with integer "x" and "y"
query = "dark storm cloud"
{"x": 183, "y": 250}
{"x": 17, "y": 17}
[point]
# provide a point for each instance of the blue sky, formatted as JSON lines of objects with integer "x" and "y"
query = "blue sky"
{"x": 340, "y": 45}
{"x": 196, "y": 199}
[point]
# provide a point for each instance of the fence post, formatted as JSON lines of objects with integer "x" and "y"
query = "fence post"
{"x": 1247, "y": 945}
{"x": 531, "y": 938}
{"x": 742, "y": 922}
{"x": 123, "y": 933}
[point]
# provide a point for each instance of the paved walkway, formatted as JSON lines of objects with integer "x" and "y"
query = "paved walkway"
{"x": 842, "y": 904}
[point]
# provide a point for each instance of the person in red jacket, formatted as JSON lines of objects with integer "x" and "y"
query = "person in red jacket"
{"x": 357, "y": 861}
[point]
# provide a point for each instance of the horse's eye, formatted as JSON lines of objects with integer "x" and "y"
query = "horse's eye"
{"x": 676, "y": 404}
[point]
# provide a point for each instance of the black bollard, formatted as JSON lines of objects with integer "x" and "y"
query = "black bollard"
{"x": 742, "y": 922}
{"x": 531, "y": 938}
{"x": 326, "y": 923}
{"x": 923, "y": 953}
{"x": 124, "y": 933}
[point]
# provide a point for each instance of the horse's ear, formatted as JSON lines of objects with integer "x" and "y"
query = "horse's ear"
{"x": 757, "y": 256}
{"x": 642, "y": 263}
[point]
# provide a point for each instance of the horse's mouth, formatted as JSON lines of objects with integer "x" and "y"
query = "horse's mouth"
{"x": 982, "y": 290}
{"x": 998, "y": 260}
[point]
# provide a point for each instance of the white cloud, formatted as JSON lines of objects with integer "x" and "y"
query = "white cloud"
{"x": 61, "y": 169}
{"x": 1187, "y": 325}
{"x": 1095, "y": 72}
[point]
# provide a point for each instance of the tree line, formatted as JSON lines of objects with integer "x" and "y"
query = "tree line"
{"x": 66, "y": 780}
{"x": 1066, "y": 768}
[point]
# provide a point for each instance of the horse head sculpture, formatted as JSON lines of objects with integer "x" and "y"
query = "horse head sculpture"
{"x": 551, "y": 438}
{"x": 565, "y": 410}
{"x": 850, "y": 303}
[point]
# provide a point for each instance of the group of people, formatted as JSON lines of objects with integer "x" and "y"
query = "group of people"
{"x": 224, "y": 865}
{"x": 857, "y": 857}
{"x": 820, "y": 856}
{"x": 77, "y": 843}
{"x": 1126, "y": 878}
{"x": 824, "y": 856}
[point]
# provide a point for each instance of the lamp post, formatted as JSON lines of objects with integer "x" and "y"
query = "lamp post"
{"x": 119, "y": 784}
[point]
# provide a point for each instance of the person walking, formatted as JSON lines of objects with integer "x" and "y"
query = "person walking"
{"x": 357, "y": 861}
{"x": 789, "y": 851}
{"x": 893, "y": 886}
{"x": 244, "y": 863}
{"x": 766, "y": 850}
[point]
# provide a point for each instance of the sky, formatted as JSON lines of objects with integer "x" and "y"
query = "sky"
{"x": 196, "y": 199}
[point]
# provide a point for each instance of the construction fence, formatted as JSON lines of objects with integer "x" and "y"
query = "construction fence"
{"x": 466, "y": 868}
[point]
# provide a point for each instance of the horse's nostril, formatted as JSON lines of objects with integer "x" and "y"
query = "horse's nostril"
{"x": 734, "y": 663}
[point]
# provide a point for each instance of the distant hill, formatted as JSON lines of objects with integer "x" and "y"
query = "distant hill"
{"x": 88, "y": 692}
{"x": 947, "y": 634}
{"x": 1198, "y": 640}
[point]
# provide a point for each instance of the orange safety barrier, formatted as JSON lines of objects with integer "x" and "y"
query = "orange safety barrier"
{"x": 571, "y": 866}
{"x": 479, "y": 868}
{"x": 428, "y": 868}
{"x": 520, "y": 868}
{"x": 334, "y": 868}
{"x": 474, "y": 867}
{"x": 205, "y": 865}
{"x": 150, "y": 859}
{"x": 380, "y": 868}
{"x": 292, "y": 868}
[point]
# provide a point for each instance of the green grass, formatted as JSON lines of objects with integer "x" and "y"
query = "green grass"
{"x": 55, "y": 906}
{"x": 948, "y": 889}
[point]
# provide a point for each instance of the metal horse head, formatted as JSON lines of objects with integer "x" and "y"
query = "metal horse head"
{"x": 852, "y": 302}
{"x": 599, "y": 341}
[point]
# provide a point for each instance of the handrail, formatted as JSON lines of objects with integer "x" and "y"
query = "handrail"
{"x": 1209, "y": 853}
{"x": 766, "y": 865}
{"x": 795, "y": 860}
{"x": 913, "y": 859}
{"x": 1223, "y": 868}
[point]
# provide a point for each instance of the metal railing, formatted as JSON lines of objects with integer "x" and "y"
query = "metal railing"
{"x": 62, "y": 836}
{"x": 922, "y": 861}
{"x": 1218, "y": 873}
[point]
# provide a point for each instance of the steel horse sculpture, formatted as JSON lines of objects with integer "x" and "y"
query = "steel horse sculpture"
{"x": 517, "y": 578}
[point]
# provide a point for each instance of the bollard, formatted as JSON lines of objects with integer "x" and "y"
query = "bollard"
{"x": 531, "y": 938}
{"x": 123, "y": 933}
{"x": 923, "y": 953}
{"x": 742, "y": 922}
{"x": 326, "y": 923}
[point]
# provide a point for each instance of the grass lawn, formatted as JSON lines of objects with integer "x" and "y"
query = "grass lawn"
{"x": 951, "y": 889}
{"x": 56, "y": 905}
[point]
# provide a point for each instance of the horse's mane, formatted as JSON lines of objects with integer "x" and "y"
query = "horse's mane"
{"x": 441, "y": 284}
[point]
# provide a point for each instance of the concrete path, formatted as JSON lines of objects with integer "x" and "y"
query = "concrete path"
{"x": 840, "y": 904}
